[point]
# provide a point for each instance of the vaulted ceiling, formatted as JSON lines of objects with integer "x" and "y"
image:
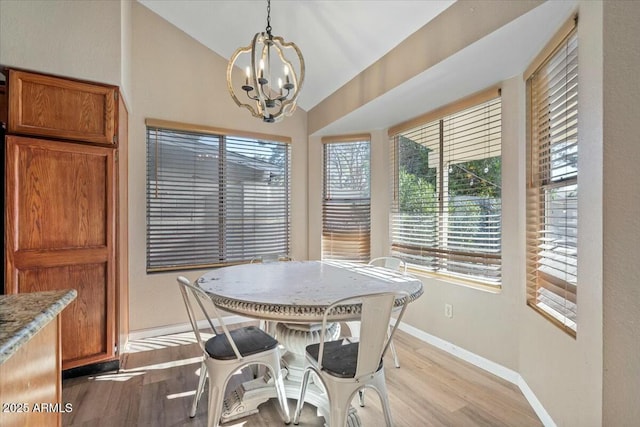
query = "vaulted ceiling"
{"x": 341, "y": 38}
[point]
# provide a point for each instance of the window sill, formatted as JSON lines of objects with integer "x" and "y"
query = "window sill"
{"x": 451, "y": 280}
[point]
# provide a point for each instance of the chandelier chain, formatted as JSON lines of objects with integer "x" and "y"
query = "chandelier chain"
{"x": 268, "y": 18}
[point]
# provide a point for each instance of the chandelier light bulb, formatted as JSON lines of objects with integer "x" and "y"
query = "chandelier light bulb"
{"x": 262, "y": 72}
{"x": 246, "y": 80}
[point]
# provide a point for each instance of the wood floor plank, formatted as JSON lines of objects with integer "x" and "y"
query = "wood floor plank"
{"x": 156, "y": 383}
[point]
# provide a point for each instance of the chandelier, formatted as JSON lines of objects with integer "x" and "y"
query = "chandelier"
{"x": 274, "y": 75}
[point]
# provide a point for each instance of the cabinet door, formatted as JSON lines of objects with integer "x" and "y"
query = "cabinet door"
{"x": 54, "y": 107}
{"x": 60, "y": 234}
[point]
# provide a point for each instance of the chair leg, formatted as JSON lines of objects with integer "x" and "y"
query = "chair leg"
{"x": 199, "y": 390}
{"x": 396, "y": 361}
{"x": 380, "y": 386}
{"x": 338, "y": 416}
{"x": 392, "y": 347}
{"x": 386, "y": 409}
{"x": 282, "y": 395}
{"x": 215, "y": 403}
{"x": 338, "y": 409}
{"x": 361, "y": 397}
{"x": 303, "y": 390}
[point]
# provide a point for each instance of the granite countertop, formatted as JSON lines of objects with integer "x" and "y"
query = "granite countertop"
{"x": 23, "y": 315}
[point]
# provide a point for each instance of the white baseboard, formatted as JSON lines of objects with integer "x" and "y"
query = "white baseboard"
{"x": 486, "y": 364}
{"x": 479, "y": 361}
{"x": 182, "y": 327}
{"x": 544, "y": 416}
{"x": 476, "y": 360}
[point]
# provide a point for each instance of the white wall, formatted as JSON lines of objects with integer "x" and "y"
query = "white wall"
{"x": 566, "y": 373}
{"x": 176, "y": 78}
{"x": 621, "y": 130}
{"x": 125, "y": 49}
{"x": 78, "y": 39}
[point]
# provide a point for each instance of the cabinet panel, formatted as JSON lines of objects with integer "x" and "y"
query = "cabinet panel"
{"x": 60, "y": 108}
{"x": 60, "y": 233}
{"x": 86, "y": 321}
{"x": 63, "y": 193}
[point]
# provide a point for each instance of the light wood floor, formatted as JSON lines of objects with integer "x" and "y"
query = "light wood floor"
{"x": 158, "y": 378}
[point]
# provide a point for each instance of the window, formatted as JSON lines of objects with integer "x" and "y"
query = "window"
{"x": 346, "y": 203}
{"x": 552, "y": 186}
{"x": 446, "y": 205}
{"x": 214, "y": 198}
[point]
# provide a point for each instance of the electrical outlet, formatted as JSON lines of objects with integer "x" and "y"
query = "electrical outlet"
{"x": 448, "y": 311}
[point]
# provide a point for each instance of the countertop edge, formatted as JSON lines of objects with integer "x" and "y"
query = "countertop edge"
{"x": 39, "y": 321}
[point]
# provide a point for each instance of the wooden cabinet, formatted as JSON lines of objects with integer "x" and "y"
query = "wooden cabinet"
{"x": 54, "y": 107}
{"x": 61, "y": 206}
{"x": 25, "y": 385}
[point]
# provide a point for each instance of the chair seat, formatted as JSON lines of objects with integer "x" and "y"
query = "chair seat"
{"x": 249, "y": 340}
{"x": 340, "y": 359}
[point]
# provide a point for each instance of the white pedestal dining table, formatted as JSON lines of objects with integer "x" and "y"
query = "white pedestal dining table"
{"x": 291, "y": 298}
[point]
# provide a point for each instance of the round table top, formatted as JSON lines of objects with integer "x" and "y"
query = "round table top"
{"x": 299, "y": 291}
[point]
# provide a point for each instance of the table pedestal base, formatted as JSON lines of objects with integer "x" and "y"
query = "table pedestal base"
{"x": 244, "y": 400}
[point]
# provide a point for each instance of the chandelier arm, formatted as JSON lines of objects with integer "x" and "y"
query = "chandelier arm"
{"x": 279, "y": 40}
{"x": 261, "y": 102}
{"x": 230, "y": 69}
{"x": 251, "y": 97}
{"x": 290, "y": 104}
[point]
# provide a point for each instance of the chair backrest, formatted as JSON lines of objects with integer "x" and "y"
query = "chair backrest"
{"x": 274, "y": 257}
{"x": 191, "y": 294}
{"x": 375, "y": 313}
{"x": 390, "y": 262}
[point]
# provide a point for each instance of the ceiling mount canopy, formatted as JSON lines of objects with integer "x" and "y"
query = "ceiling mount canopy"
{"x": 274, "y": 75}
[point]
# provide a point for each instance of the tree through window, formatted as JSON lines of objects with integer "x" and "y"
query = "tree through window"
{"x": 446, "y": 212}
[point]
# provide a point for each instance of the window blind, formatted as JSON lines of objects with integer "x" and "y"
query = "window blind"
{"x": 446, "y": 204}
{"x": 214, "y": 199}
{"x": 346, "y": 205}
{"x": 552, "y": 186}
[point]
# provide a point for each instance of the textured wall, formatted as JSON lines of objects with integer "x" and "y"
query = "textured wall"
{"x": 621, "y": 213}
{"x": 71, "y": 38}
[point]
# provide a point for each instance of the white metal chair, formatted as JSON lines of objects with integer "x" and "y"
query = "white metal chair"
{"x": 271, "y": 258}
{"x": 228, "y": 352}
{"x": 391, "y": 263}
{"x": 346, "y": 366}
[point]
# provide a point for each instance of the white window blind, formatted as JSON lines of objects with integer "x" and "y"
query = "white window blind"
{"x": 346, "y": 205}
{"x": 214, "y": 199}
{"x": 552, "y": 186}
{"x": 446, "y": 210}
